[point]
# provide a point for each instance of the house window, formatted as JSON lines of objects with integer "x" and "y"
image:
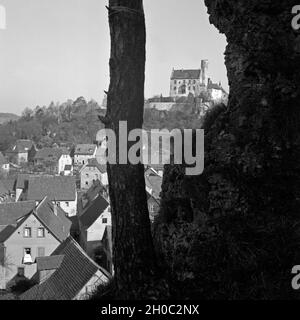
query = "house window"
{"x": 41, "y": 233}
{"x": 67, "y": 203}
{"x": 40, "y": 252}
{"x": 189, "y": 88}
{"x": 86, "y": 183}
{"x": 87, "y": 175}
{"x": 27, "y": 233}
{"x": 27, "y": 259}
{"x": 104, "y": 220}
{"x": 21, "y": 272}
{"x": 194, "y": 81}
{"x": 175, "y": 88}
{"x": 175, "y": 81}
{"x": 194, "y": 88}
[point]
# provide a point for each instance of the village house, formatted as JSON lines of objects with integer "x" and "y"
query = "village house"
{"x": 91, "y": 172}
{"x": 28, "y": 232}
{"x": 61, "y": 190}
{"x": 4, "y": 165}
{"x": 4, "y": 193}
{"x": 23, "y": 151}
{"x": 84, "y": 152}
{"x": 53, "y": 159}
{"x": 68, "y": 274}
{"x": 93, "y": 216}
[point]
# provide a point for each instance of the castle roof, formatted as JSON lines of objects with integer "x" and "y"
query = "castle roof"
{"x": 186, "y": 74}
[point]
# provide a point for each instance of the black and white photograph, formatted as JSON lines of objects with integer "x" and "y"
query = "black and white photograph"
{"x": 149, "y": 151}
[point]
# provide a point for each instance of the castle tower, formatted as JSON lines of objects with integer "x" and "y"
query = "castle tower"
{"x": 204, "y": 71}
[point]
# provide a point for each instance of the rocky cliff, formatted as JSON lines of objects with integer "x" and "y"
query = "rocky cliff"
{"x": 233, "y": 231}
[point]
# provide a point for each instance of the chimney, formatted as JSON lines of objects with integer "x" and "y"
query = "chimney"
{"x": 204, "y": 70}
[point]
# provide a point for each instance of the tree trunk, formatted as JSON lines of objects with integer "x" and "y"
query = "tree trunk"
{"x": 133, "y": 252}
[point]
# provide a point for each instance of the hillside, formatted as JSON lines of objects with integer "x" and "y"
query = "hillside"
{"x": 6, "y": 117}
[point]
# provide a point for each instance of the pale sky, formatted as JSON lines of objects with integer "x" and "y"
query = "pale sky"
{"x": 54, "y": 50}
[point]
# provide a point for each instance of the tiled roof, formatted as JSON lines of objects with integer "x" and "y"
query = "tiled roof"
{"x": 93, "y": 211}
{"x": 51, "y": 154}
{"x": 57, "y": 188}
{"x": 94, "y": 163}
{"x": 49, "y": 263}
{"x": 214, "y": 86}
{"x": 67, "y": 281}
{"x": 3, "y": 189}
{"x": 9, "y": 184}
{"x": 58, "y": 223}
{"x": 85, "y": 149}
{"x": 21, "y": 146}
{"x": 22, "y": 181}
{"x": 186, "y": 74}
{"x": 11, "y": 212}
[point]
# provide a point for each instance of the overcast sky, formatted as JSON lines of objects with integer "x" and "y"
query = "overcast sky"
{"x": 54, "y": 50}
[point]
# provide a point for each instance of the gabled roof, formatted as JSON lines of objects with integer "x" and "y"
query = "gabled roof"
{"x": 54, "y": 218}
{"x": 51, "y": 154}
{"x": 186, "y": 74}
{"x": 49, "y": 263}
{"x": 85, "y": 149}
{"x": 93, "y": 211}
{"x": 21, "y": 146}
{"x": 74, "y": 272}
{"x": 11, "y": 212}
{"x": 57, "y": 188}
{"x": 93, "y": 163}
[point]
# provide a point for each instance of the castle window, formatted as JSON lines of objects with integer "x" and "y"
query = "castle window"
{"x": 182, "y": 89}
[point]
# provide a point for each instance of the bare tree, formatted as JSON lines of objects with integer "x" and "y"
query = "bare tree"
{"x": 133, "y": 253}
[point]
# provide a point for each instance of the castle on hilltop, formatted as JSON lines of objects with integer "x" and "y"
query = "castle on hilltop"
{"x": 195, "y": 81}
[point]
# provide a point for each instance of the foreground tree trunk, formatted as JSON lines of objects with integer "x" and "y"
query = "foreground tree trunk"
{"x": 133, "y": 252}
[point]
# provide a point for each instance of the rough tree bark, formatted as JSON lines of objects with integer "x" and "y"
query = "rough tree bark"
{"x": 133, "y": 252}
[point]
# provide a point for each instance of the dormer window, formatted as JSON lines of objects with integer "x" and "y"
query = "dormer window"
{"x": 27, "y": 233}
